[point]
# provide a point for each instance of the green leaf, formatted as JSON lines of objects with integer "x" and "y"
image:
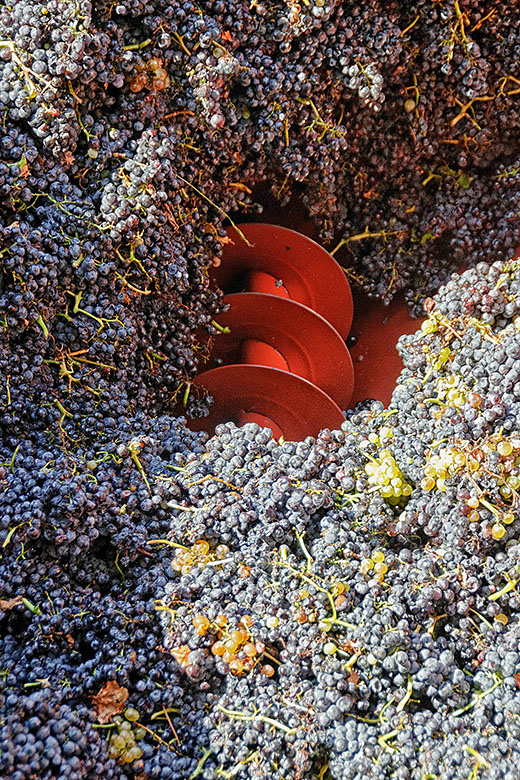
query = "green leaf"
{"x": 463, "y": 181}
{"x": 447, "y": 171}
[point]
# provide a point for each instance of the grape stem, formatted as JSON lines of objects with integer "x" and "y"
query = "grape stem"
{"x": 256, "y": 716}
{"x": 334, "y": 619}
{"x": 476, "y": 699}
{"x": 307, "y": 554}
{"x": 200, "y": 765}
{"x": 383, "y": 741}
{"x": 242, "y": 236}
{"x": 511, "y": 585}
{"x": 27, "y": 72}
{"x": 137, "y": 46}
{"x": 134, "y": 448}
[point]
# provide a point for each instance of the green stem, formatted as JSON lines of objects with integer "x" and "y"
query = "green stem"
{"x": 34, "y": 684}
{"x": 200, "y": 765}
{"x": 334, "y": 619}
{"x": 476, "y": 699}
{"x": 134, "y": 448}
{"x": 494, "y": 511}
{"x": 256, "y": 716}
{"x": 220, "y": 328}
{"x": 480, "y": 758}
{"x": 137, "y": 46}
{"x": 384, "y": 739}
{"x": 43, "y": 326}
{"x": 406, "y": 698}
{"x": 10, "y": 465}
{"x": 435, "y": 401}
{"x": 167, "y": 541}
{"x": 304, "y": 550}
{"x": 186, "y": 394}
{"x": 61, "y": 408}
{"x": 11, "y": 532}
{"x": 488, "y": 624}
{"x": 92, "y": 363}
{"x": 34, "y": 608}
{"x": 511, "y": 585}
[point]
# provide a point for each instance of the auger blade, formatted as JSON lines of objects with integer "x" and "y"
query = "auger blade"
{"x": 243, "y": 393}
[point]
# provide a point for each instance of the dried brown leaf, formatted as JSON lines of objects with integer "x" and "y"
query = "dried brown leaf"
{"x": 6, "y": 604}
{"x": 109, "y": 701}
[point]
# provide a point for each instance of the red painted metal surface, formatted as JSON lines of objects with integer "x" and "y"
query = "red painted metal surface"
{"x": 245, "y": 393}
{"x": 376, "y": 329}
{"x": 260, "y": 282}
{"x": 257, "y": 353}
{"x": 307, "y": 272}
{"x": 287, "y": 264}
{"x": 273, "y": 331}
{"x": 283, "y": 361}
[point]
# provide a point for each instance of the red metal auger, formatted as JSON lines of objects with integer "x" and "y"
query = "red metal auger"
{"x": 284, "y": 363}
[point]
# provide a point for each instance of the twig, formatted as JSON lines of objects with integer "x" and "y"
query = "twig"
{"x": 242, "y": 236}
{"x": 171, "y": 725}
{"x": 27, "y": 72}
{"x": 407, "y": 29}
{"x": 366, "y": 234}
{"x": 154, "y": 735}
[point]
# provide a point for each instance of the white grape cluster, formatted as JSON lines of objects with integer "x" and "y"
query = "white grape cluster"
{"x": 384, "y": 474}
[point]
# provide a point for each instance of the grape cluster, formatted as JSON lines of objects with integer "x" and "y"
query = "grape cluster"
{"x": 384, "y": 623}
{"x": 263, "y": 608}
{"x": 385, "y": 475}
{"x": 123, "y": 742}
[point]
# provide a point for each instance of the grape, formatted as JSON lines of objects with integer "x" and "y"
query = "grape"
{"x": 344, "y": 606}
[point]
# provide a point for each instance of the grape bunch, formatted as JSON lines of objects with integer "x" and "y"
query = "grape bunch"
{"x": 348, "y": 629}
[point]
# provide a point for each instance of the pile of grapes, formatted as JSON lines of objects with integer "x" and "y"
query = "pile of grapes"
{"x": 173, "y": 607}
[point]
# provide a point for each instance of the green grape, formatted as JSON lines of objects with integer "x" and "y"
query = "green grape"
{"x": 504, "y": 448}
{"x": 118, "y": 741}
